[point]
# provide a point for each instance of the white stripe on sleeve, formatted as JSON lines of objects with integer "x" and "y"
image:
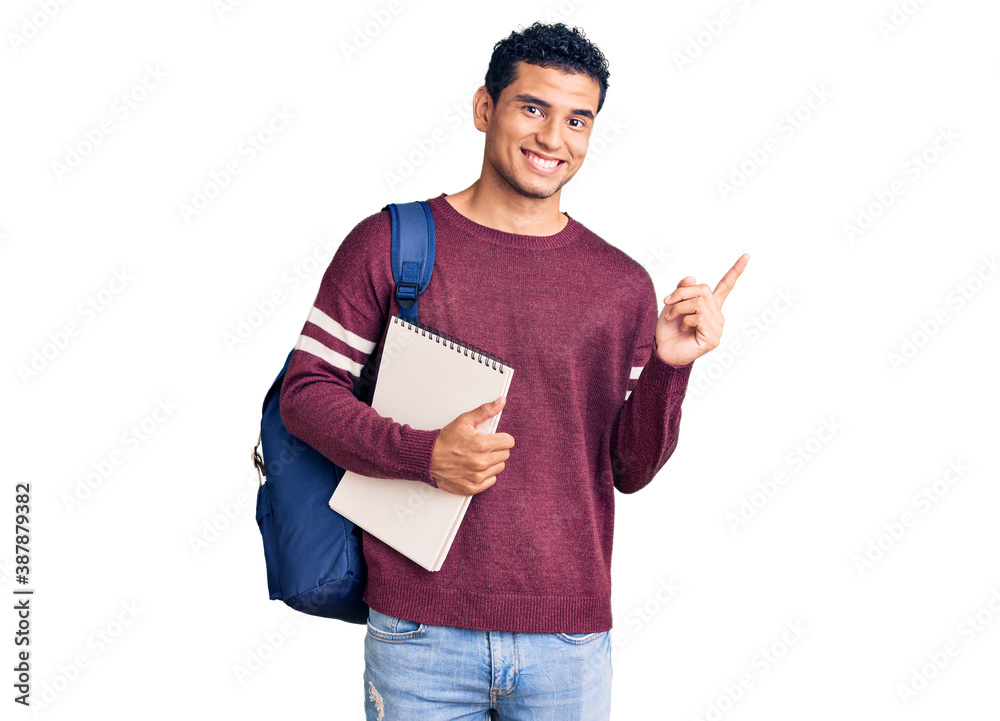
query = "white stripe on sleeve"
{"x": 314, "y": 347}
{"x": 318, "y": 317}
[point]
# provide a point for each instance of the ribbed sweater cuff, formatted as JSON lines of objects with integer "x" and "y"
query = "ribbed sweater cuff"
{"x": 670, "y": 379}
{"x": 416, "y": 449}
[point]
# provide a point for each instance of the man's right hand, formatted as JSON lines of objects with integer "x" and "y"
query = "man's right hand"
{"x": 465, "y": 461}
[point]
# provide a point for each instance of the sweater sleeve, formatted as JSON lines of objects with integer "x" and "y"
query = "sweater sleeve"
{"x": 343, "y": 329}
{"x": 645, "y": 432}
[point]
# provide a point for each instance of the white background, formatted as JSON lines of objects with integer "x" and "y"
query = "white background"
{"x": 811, "y": 330}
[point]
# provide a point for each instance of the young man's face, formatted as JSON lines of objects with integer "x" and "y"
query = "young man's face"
{"x": 545, "y": 115}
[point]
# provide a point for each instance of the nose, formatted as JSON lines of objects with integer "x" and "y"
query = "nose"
{"x": 549, "y": 136}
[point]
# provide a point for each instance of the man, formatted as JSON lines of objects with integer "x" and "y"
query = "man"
{"x": 516, "y": 623}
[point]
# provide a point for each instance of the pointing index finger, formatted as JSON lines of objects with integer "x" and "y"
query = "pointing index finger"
{"x": 728, "y": 281}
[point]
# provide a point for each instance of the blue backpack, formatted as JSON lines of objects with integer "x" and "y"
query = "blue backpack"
{"x": 312, "y": 553}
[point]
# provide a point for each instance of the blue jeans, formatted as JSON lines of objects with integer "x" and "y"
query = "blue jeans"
{"x": 417, "y": 671}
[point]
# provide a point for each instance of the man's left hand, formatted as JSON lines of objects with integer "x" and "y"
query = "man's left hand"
{"x": 690, "y": 324}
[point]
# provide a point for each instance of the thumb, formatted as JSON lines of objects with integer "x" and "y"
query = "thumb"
{"x": 486, "y": 410}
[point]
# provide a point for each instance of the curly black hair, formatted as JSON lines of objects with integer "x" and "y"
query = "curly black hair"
{"x": 549, "y": 46}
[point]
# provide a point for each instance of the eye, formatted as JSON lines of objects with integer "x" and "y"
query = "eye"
{"x": 580, "y": 123}
{"x": 529, "y": 108}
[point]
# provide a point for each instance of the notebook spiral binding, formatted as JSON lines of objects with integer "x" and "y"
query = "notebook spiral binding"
{"x": 455, "y": 344}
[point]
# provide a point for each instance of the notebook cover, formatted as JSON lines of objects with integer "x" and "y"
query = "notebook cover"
{"x": 425, "y": 381}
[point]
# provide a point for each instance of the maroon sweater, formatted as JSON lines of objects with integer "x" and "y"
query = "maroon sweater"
{"x": 591, "y": 407}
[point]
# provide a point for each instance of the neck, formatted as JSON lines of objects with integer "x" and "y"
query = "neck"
{"x": 506, "y": 210}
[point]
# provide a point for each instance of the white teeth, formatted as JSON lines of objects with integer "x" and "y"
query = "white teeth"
{"x": 540, "y": 162}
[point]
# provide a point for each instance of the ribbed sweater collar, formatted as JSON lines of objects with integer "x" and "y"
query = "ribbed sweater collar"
{"x": 443, "y": 209}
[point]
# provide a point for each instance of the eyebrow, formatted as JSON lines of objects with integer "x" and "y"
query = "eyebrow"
{"x": 538, "y": 101}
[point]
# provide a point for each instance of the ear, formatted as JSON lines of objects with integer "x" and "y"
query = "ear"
{"x": 482, "y": 109}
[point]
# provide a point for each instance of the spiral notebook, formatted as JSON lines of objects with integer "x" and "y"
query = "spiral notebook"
{"x": 425, "y": 379}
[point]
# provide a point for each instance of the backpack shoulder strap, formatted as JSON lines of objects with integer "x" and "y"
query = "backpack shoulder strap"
{"x": 412, "y": 253}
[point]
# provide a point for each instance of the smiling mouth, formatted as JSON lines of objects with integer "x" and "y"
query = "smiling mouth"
{"x": 542, "y": 164}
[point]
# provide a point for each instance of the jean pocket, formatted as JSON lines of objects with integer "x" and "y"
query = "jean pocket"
{"x": 581, "y": 638}
{"x": 392, "y": 628}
